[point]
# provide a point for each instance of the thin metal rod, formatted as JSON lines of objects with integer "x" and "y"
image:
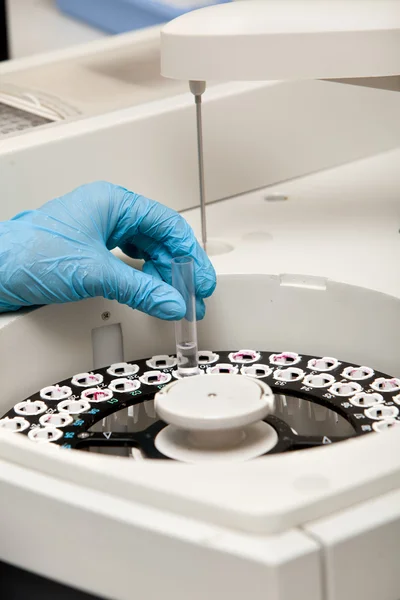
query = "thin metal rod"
{"x": 200, "y": 151}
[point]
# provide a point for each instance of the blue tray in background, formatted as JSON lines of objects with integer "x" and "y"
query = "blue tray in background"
{"x": 120, "y": 16}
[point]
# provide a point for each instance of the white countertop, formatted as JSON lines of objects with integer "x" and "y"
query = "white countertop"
{"x": 342, "y": 224}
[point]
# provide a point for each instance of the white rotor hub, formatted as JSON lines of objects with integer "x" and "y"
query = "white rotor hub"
{"x": 215, "y": 417}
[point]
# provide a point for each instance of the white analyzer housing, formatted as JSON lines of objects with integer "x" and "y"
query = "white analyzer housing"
{"x": 307, "y": 179}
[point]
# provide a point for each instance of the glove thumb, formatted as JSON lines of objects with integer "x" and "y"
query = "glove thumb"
{"x": 139, "y": 290}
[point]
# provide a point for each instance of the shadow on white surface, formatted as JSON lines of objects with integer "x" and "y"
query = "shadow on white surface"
{"x": 38, "y": 26}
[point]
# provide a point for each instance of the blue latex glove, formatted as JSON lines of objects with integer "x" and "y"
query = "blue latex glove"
{"x": 60, "y": 253}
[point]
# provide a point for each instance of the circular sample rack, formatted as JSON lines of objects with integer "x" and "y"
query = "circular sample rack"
{"x": 317, "y": 401}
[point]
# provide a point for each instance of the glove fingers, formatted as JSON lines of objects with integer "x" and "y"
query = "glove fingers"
{"x": 144, "y": 292}
{"x": 162, "y": 233}
{"x": 162, "y": 259}
{"x": 105, "y": 276}
{"x": 151, "y": 269}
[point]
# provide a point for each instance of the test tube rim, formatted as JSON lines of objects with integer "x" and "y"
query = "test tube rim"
{"x": 182, "y": 260}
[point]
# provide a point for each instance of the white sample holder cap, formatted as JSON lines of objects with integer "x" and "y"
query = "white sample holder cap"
{"x": 215, "y": 417}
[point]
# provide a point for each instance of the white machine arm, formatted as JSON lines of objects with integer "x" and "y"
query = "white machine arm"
{"x": 284, "y": 40}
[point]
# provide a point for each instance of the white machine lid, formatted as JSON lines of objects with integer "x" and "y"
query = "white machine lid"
{"x": 287, "y": 16}
{"x": 283, "y": 39}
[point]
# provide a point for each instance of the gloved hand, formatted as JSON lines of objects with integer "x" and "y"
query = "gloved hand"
{"x": 60, "y": 253}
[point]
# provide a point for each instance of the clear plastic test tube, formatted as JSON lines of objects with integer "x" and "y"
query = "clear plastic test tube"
{"x": 186, "y": 328}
